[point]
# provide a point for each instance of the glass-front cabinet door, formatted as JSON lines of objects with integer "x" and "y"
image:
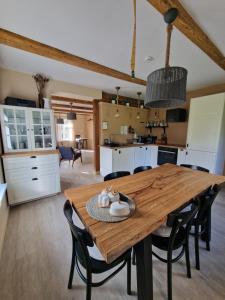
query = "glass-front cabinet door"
{"x": 42, "y": 129}
{"x": 15, "y": 125}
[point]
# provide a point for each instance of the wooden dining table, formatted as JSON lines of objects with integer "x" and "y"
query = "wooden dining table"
{"x": 156, "y": 193}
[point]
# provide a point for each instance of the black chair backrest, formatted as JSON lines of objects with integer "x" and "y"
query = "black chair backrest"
{"x": 115, "y": 175}
{"x": 193, "y": 167}
{"x": 176, "y": 220}
{"x": 205, "y": 203}
{"x": 141, "y": 169}
{"x": 80, "y": 237}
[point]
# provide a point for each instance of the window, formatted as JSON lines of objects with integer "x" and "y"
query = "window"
{"x": 65, "y": 131}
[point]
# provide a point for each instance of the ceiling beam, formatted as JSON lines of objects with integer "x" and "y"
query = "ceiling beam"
{"x": 206, "y": 91}
{"x": 62, "y": 111}
{"x": 186, "y": 24}
{"x": 69, "y": 109}
{"x": 72, "y": 100}
{"x": 73, "y": 107}
{"x": 21, "y": 42}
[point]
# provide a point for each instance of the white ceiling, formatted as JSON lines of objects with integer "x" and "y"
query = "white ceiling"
{"x": 101, "y": 31}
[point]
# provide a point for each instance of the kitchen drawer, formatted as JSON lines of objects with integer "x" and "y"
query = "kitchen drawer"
{"x": 28, "y": 173}
{"x": 21, "y": 191}
{"x": 29, "y": 161}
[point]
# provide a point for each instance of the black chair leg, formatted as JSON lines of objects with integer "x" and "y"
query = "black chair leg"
{"x": 72, "y": 266}
{"x": 197, "y": 260}
{"x": 187, "y": 256}
{"x": 129, "y": 277}
{"x": 169, "y": 274}
{"x": 88, "y": 286}
{"x": 207, "y": 245}
{"x": 133, "y": 258}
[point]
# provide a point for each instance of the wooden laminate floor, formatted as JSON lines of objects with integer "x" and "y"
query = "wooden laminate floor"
{"x": 37, "y": 251}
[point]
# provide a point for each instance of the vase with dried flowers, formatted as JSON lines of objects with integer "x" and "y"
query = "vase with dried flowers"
{"x": 41, "y": 81}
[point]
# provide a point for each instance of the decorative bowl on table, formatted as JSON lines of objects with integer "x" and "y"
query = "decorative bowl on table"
{"x": 116, "y": 211}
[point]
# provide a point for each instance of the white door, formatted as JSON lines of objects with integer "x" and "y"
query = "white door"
{"x": 123, "y": 159}
{"x": 42, "y": 129}
{"x": 139, "y": 156}
{"x": 204, "y": 123}
{"x": 201, "y": 158}
{"x": 15, "y": 128}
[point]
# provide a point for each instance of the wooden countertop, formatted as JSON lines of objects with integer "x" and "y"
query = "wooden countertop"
{"x": 143, "y": 145}
{"x": 156, "y": 193}
{"x": 28, "y": 153}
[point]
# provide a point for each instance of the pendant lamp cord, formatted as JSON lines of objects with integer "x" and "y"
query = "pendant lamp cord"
{"x": 169, "y": 32}
{"x": 133, "y": 52}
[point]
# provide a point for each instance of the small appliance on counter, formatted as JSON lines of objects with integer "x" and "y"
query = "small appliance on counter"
{"x": 149, "y": 139}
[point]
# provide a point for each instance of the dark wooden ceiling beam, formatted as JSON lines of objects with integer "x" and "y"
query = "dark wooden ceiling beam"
{"x": 64, "y": 111}
{"x": 21, "y": 42}
{"x": 72, "y": 100}
{"x": 187, "y": 25}
{"x": 73, "y": 107}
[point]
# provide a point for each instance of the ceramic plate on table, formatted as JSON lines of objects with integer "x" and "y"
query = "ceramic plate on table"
{"x": 102, "y": 213}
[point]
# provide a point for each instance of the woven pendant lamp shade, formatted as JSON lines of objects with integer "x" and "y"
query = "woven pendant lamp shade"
{"x": 166, "y": 87}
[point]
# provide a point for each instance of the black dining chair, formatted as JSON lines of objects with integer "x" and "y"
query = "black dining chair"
{"x": 202, "y": 221}
{"x": 193, "y": 167}
{"x": 115, "y": 175}
{"x": 141, "y": 169}
{"x": 81, "y": 240}
{"x": 180, "y": 223}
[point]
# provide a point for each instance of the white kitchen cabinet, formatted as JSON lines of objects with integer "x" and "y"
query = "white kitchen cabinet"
{"x": 139, "y": 156}
{"x": 202, "y": 159}
{"x": 127, "y": 158}
{"x": 123, "y": 159}
{"x": 154, "y": 156}
{"x": 25, "y": 128}
{"x": 206, "y": 133}
{"x": 31, "y": 177}
{"x": 181, "y": 156}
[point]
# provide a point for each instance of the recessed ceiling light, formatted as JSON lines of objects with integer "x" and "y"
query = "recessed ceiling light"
{"x": 148, "y": 59}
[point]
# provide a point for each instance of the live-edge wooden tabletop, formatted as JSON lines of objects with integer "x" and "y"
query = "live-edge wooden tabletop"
{"x": 156, "y": 193}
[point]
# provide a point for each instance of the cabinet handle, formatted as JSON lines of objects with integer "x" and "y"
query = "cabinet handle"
{"x": 141, "y": 147}
{"x": 146, "y": 148}
{"x": 34, "y": 178}
{"x": 119, "y": 151}
{"x": 28, "y": 129}
{"x": 33, "y": 156}
{"x": 187, "y": 145}
{"x": 34, "y": 168}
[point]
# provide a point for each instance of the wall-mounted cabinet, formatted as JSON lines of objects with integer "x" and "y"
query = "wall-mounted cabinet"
{"x": 25, "y": 129}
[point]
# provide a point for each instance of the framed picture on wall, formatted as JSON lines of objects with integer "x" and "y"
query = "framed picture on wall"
{"x": 104, "y": 125}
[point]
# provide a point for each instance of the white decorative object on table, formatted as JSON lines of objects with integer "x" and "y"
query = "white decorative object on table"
{"x": 103, "y": 199}
{"x": 119, "y": 209}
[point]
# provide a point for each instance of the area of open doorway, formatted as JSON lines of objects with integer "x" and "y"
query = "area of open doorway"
{"x": 76, "y": 119}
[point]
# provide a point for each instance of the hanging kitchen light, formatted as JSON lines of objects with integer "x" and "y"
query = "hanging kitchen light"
{"x": 71, "y": 115}
{"x": 59, "y": 120}
{"x": 139, "y": 103}
{"x": 117, "y": 114}
{"x": 166, "y": 87}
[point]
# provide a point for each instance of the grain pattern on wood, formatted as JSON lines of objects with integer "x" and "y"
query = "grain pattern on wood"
{"x": 186, "y": 24}
{"x": 21, "y": 42}
{"x": 156, "y": 193}
{"x": 30, "y": 153}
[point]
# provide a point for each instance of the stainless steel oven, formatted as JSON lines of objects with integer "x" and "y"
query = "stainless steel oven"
{"x": 167, "y": 155}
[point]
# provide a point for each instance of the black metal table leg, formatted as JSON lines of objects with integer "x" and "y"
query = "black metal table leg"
{"x": 143, "y": 251}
